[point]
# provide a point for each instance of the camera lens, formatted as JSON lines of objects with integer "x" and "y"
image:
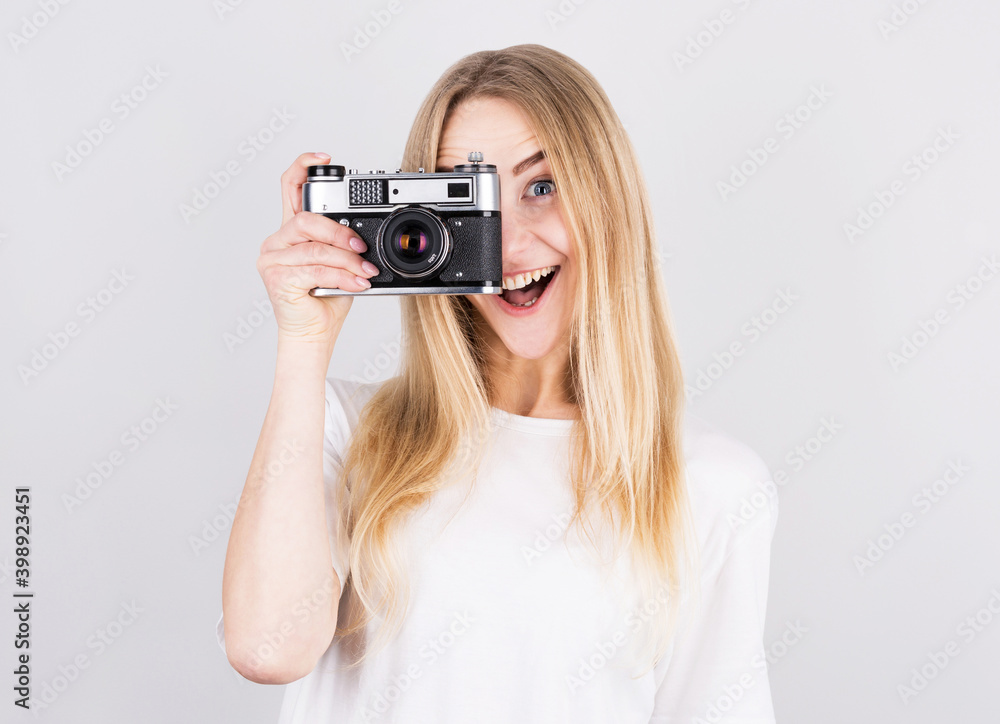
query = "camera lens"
{"x": 410, "y": 241}
{"x": 414, "y": 243}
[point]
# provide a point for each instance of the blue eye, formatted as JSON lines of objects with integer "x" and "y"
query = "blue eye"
{"x": 541, "y": 188}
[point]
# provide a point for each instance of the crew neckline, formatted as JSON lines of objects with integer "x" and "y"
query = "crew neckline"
{"x": 537, "y": 425}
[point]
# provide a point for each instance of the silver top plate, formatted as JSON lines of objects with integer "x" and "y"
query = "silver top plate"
{"x": 331, "y": 195}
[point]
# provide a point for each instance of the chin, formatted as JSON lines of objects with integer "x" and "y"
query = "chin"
{"x": 525, "y": 338}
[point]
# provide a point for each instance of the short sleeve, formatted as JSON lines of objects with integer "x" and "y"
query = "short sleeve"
{"x": 336, "y": 436}
{"x": 718, "y": 671}
{"x": 220, "y": 633}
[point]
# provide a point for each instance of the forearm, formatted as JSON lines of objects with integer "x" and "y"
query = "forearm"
{"x": 279, "y": 552}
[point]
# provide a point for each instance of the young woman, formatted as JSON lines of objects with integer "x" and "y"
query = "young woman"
{"x": 522, "y": 525}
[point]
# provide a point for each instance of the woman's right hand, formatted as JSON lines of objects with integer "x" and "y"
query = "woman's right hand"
{"x": 308, "y": 251}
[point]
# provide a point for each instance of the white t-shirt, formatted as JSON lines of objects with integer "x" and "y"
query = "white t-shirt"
{"x": 511, "y": 620}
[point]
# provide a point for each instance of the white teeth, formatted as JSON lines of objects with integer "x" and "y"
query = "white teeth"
{"x": 520, "y": 280}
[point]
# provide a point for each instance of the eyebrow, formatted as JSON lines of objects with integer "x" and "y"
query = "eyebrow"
{"x": 528, "y": 163}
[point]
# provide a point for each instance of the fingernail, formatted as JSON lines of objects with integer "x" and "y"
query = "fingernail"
{"x": 363, "y": 282}
{"x": 369, "y": 267}
{"x": 322, "y": 155}
{"x": 357, "y": 244}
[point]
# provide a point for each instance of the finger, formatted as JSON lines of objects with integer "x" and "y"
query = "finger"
{"x": 307, "y": 226}
{"x": 315, "y": 253}
{"x": 292, "y": 180}
{"x": 310, "y": 276}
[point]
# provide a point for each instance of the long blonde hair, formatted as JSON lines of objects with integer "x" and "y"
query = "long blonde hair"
{"x": 624, "y": 372}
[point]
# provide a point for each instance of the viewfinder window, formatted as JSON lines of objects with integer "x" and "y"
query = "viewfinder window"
{"x": 458, "y": 190}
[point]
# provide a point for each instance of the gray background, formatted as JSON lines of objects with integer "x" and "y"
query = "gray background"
{"x": 164, "y": 336}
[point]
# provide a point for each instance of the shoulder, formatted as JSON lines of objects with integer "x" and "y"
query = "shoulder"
{"x": 345, "y": 400}
{"x": 730, "y": 489}
{"x": 351, "y": 395}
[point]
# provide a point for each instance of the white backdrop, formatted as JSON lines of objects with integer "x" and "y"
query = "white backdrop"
{"x": 824, "y": 178}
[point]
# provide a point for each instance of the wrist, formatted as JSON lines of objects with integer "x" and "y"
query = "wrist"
{"x": 305, "y": 353}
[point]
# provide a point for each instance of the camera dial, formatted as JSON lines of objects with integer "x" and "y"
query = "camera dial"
{"x": 326, "y": 171}
{"x": 475, "y": 164}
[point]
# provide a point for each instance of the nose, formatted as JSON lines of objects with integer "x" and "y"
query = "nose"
{"x": 515, "y": 232}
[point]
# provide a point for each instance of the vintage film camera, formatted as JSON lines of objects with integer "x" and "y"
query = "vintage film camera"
{"x": 428, "y": 233}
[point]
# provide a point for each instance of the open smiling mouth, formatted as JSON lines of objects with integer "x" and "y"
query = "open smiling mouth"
{"x": 532, "y": 291}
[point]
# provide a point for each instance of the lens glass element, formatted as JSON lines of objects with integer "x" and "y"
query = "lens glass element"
{"x": 410, "y": 241}
{"x": 414, "y": 243}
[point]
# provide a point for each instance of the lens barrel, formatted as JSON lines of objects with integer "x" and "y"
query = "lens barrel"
{"x": 414, "y": 243}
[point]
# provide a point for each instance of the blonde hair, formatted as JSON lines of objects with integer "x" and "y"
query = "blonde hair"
{"x": 624, "y": 372}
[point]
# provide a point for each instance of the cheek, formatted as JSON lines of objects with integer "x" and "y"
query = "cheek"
{"x": 557, "y": 235}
